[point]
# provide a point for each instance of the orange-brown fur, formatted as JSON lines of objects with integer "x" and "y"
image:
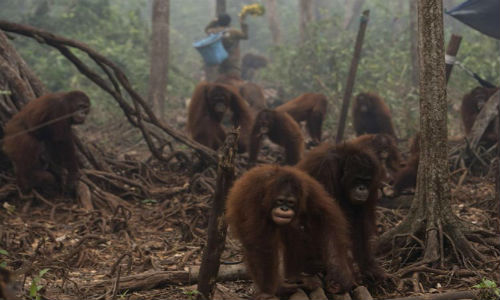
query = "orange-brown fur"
{"x": 309, "y": 107}
{"x": 385, "y": 149}
{"x": 371, "y": 115}
{"x": 204, "y": 122}
{"x": 254, "y": 95}
{"x": 319, "y": 231}
{"x": 406, "y": 178}
{"x": 339, "y": 168}
{"x": 250, "y": 63}
{"x": 42, "y": 150}
{"x": 282, "y": 130}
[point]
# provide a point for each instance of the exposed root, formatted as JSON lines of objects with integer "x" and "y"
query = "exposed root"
{"x": 415, "y": 250}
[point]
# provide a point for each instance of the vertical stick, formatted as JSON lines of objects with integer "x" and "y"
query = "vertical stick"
{"x": 352, "y": 74}
{"x": 451, "y": 53}
{"x": 217, "y": 226}
{"x": 220, "y": 7}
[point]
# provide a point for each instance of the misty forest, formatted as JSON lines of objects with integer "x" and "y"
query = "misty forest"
{"x": 249, "y": 149}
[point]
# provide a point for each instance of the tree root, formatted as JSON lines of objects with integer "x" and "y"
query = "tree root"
{"x": 449, "y": 236}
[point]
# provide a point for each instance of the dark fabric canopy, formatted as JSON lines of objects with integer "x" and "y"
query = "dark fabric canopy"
{"x": 482, "y": 15}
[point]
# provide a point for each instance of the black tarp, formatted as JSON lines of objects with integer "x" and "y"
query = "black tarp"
{"x": 482, "y": 15}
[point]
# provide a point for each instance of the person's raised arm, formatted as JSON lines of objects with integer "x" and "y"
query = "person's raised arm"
{"x": 243, "y": 34}
{"x": 212, "y": 24}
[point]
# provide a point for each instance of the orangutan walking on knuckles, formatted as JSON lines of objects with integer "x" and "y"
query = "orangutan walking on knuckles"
{"x": 370, "y": 114}
{"x": 282, "y": 130}
{"x": 311, "y": 108}
{"x": 286, "y": 221}
{"x": 40, "y": 142}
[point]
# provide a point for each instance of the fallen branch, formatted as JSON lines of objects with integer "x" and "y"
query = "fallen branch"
{"x": 150, "y": 280}
{"x": 462, "y": 295}
{"x": 140, "y": 115}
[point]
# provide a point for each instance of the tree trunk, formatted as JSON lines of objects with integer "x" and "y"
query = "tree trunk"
{"x": 18, "y": 84}
{"x": 305, "y": 15}
{"x": 220, "y": 7}
{"x": 433, "y": 191}
{"x": 413, "y": 43}
{"x": 159, "y": 56}
{"x": 430, "y": 217}
{"x": 272, "y": 18}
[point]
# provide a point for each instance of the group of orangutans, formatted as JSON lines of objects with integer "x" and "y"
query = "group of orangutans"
{"x": 315, "y": 215}
{"x": 318, "y": 213}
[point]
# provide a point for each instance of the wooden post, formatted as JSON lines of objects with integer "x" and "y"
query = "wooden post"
{"x": 220, "y": 7}
{"x": 451, "y": 53}
{"x": 352, "y": 75}
{"x": 217, "y": 226}
{"x": 484, "y": 118}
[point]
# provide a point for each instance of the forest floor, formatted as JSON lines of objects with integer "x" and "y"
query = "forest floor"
{"x": 81, "y": 248}
{"x": 85, "y": 251}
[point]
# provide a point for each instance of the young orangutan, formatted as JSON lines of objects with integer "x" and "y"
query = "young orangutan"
{"x": 282, "y": 130}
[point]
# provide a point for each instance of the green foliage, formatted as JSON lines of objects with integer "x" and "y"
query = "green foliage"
{"x": 191, "y": 294}
{"x": 124, "y": 294}
{"x": 121, "y": 31}
{"x": 149, "y": 201}
{"x": 35, "y": 286}
{"x": 9, "y": 208}
{"x": 489, "y": 289}
{"x": 3, "y": 263}
{"x": 322, "y": 64}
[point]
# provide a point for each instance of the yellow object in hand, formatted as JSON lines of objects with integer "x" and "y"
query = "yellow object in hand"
{"x": 255, "y": 9}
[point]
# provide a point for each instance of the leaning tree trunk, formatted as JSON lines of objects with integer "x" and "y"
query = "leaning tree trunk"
{"x": 430, "y": 217}
{"x": 272, "y": 18}
{"x": 305, "y": 12}
{"x": 159, "y": 56}
{"x": 18, "y": 84}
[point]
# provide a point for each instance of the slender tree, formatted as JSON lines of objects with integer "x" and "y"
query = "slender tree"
{"x": 305, "y": 12}
{"x": 272, "y": 18}
{"x": 430, "y": 218}
{"x": 159, "y": 56}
